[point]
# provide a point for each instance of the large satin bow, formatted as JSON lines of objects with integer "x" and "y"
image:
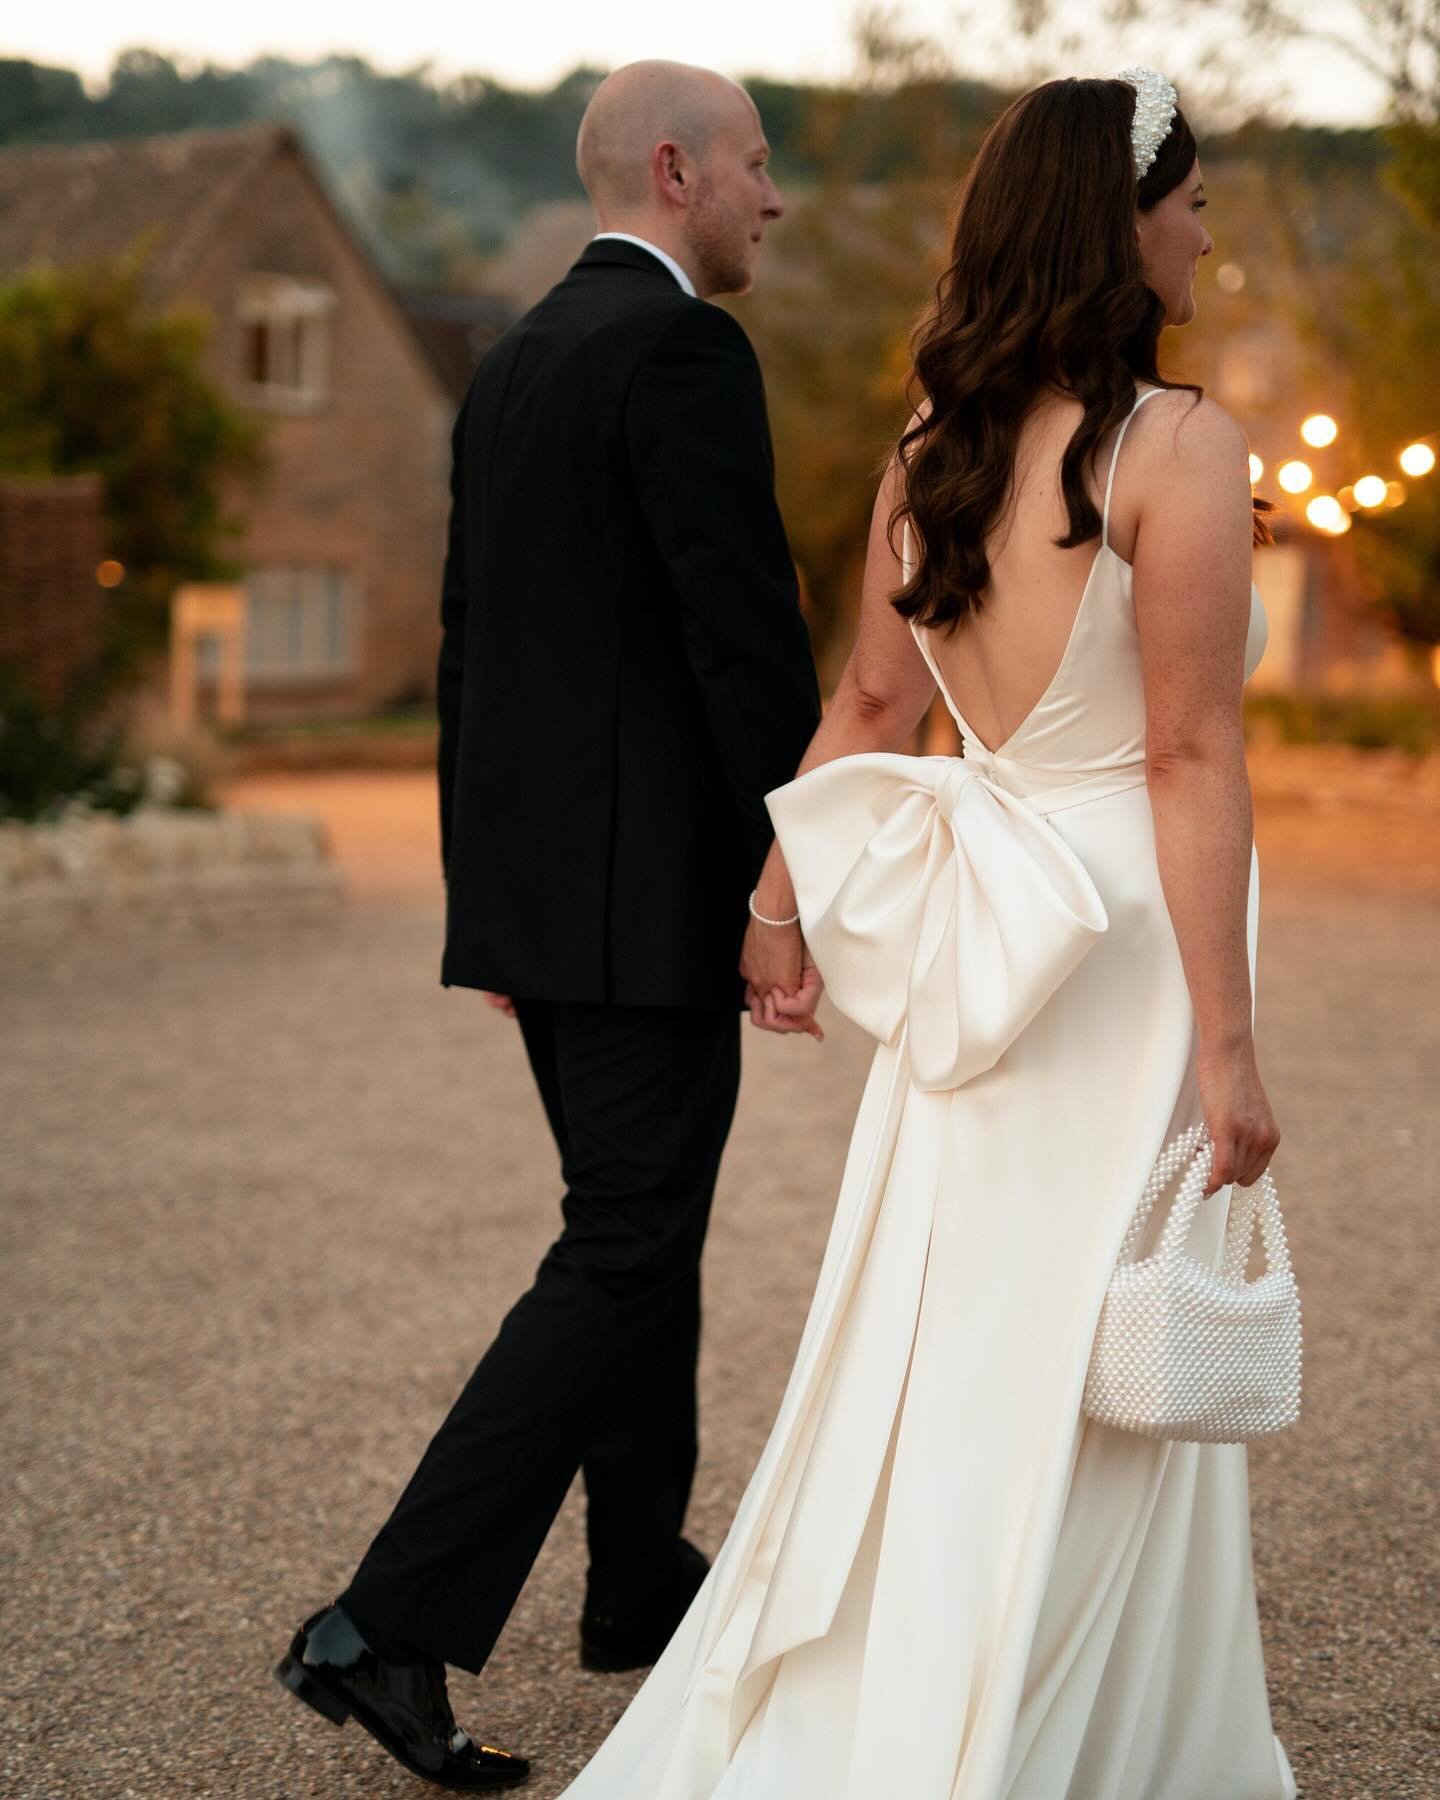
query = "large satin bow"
{"x": 928, "y": 893}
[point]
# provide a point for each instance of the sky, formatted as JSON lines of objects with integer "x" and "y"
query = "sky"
{"x": 531, "y": 44}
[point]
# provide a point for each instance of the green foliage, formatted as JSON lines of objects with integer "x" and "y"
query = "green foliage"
{"x": 832, "y": 332}
{"x": 833, "y": 324}
{"x": 38, "y": 103}
{"x": 91, "y": 381}
{"x": 436, "y": 175}
{"x": 49, "y": 756}
{"x": 1386, "y": 332}
{"x": 1365, "y": 722}
{"x": 1400, "y": 551}
{"x": 1415, "y": 170}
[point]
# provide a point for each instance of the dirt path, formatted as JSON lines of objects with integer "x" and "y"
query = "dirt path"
{"x": 268, "y": 1193}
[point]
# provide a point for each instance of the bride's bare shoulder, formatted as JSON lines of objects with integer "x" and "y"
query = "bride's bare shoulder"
{"x": 1183, "y": 429}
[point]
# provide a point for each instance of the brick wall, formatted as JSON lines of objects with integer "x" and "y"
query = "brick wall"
{"x": 51, "y": 605}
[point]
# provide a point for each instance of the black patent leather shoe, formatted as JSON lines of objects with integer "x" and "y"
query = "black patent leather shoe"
{"x": 404, "y": 1706}
{"x": 610, "y": 1644}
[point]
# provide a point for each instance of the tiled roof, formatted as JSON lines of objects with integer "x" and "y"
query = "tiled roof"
{"x": 455, "y": 331}
{"x": 69, "y": 203}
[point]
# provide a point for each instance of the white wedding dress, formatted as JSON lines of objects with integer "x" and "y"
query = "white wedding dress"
{"x": 942, "y": 1583}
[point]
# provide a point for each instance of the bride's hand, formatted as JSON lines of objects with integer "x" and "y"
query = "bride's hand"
{"x": 778, "y": 1011}
{"x": 771, "y": 957}
{"x": 1237, "y": 1115}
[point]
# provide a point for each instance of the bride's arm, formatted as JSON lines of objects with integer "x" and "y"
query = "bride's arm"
{"x": 882, "y": 693}
{"x": 1192, "y": 609}
{"x": 880, "y": 698}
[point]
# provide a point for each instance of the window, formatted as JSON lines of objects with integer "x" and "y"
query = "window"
{"x": 300, "y": 624}
{"x": 285, "y": 340}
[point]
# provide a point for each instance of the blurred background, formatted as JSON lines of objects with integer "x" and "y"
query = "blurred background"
{"x": 249, "y": 260}
{"x": 240, "y": 298}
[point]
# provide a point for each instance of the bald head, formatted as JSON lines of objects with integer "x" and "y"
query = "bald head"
{"x": 646, "y": 104}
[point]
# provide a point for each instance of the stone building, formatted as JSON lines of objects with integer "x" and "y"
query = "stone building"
{"x": 343, "y": 545}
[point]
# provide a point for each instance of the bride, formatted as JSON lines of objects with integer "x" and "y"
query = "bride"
{"x": 942, "y": 1583}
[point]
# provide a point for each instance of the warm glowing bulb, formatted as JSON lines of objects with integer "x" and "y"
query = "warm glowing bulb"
{"x": 1294, "y": 477}
{"x": 1370, "y": 490}
{"x": 1325, "y": 513}
{"x": 1319, "y": 430}
{"x": 109, "y": 573}
{"x": 1417, "y": 459}
{"x": 1257, "y": 468}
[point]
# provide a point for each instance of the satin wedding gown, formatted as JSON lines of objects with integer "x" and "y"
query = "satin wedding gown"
{"x": 943, "y": 1584}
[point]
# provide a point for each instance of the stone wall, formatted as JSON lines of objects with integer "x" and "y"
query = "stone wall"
{"x": 162, "y": 868}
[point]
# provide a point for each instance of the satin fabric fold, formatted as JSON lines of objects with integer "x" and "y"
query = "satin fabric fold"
{"x": 928, "y": 893}
{"x": 942, "y": 1582}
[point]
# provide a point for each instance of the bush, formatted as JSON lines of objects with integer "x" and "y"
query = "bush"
{"x": 55, "y": 763}
{"x": 1365, "y": 722}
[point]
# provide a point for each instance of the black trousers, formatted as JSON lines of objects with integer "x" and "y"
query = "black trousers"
{"x": 593, "y": 1367}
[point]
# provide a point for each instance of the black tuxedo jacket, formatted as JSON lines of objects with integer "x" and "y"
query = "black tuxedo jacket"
{"x": 624, "y": 671}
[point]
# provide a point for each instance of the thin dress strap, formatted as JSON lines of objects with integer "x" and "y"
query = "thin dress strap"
{"x": 922, "y": 636}
{"x": 1114, "y": 459}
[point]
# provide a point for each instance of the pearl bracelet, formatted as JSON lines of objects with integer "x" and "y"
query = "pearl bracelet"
{"x": 793, "y": 920}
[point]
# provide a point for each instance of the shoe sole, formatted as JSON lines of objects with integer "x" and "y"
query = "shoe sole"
{"x": 293, "y": 1676}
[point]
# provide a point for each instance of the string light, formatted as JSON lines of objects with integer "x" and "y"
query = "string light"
{"x": 1294, "y": 477}
{"x": 1326, "y": 513}
{"x": 1330, "y": 513}
{"x": 1370, "y": 490}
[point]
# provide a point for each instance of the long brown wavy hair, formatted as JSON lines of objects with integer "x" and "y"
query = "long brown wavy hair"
{"x": 1045, "y": 290}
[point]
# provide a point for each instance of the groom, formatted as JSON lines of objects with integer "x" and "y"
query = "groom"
{"x": 624, "y": 674}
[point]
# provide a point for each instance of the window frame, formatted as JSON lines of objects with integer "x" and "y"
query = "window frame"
{"x": 308, "y": 606}
{"x": 295, "y": 314}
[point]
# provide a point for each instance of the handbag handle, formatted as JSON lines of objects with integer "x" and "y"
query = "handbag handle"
{"x": 1180, "y": 1150}
{"x": 1257, "y": 1205}
{"x": 1261, "y": 1207}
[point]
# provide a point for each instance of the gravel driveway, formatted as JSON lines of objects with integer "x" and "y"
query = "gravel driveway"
{"x": 267, "y": 1193}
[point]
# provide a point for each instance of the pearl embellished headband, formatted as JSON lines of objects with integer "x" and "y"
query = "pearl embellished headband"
{"x": 1155, "y": 102}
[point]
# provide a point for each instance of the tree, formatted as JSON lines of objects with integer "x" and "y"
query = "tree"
{"x": 38, "y": 103}
{"x": 1396, "y": 41}
{"x": 1390, "y": 339}
{"x": 91, "y": 380}
{"x": 853, "y": 266}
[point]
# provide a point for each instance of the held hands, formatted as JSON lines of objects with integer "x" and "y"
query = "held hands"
{"x": 1237, "y": 1115}
{"x": 782, "y": 984}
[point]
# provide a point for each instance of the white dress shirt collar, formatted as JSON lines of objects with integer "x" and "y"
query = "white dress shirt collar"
{"x": 670, "y": 263}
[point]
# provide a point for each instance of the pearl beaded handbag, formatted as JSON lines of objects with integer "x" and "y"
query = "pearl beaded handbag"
{"x": 1189, "y": 1352}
